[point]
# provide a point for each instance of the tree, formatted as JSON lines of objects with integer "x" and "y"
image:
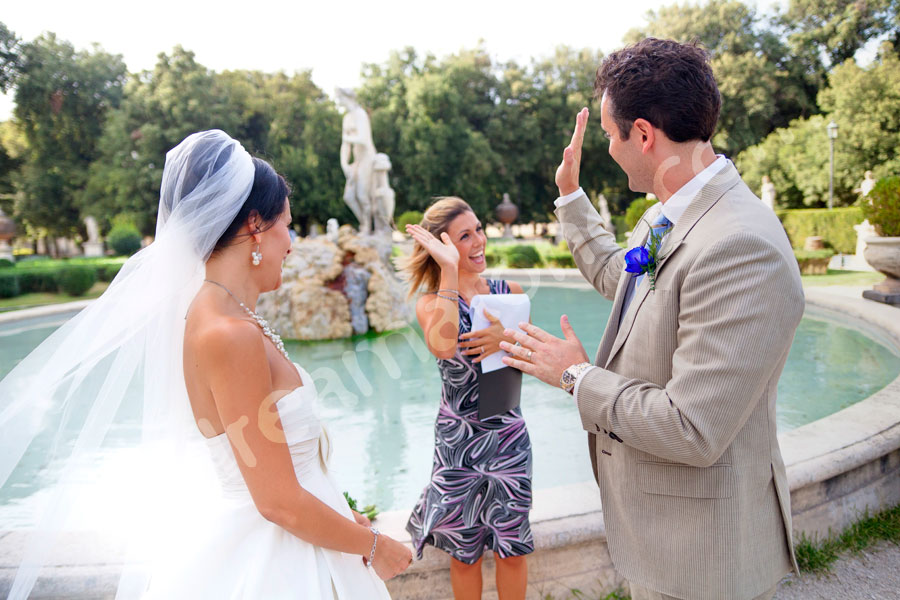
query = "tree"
{"x": 464, "y": 125}
{"x": 161, "y": 107}
{"x": 839, "y": 28}
{"x": 865, "y": 103}
{"x": 763, "y": 85}
{"x": 62, "y": 100}
{"x": 10, "y": 65}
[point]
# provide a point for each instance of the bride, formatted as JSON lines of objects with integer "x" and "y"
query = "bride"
{"x": 181, "y": 316}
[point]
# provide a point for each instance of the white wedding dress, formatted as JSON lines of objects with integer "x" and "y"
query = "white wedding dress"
{"x": 246, "y": 556}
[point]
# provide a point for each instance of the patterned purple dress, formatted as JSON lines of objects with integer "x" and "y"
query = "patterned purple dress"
{"x": 479, "y": 495}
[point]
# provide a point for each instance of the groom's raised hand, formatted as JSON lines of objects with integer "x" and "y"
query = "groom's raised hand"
{"x": 569, "y": 168}
{"x": 543, "y": 355}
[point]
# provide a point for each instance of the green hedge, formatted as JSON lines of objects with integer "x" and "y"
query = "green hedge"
{"x": 835, "y": 226}
{"x": 125, "y": 239}
{"x": 494, "y": 256}
{"x": 9, "y": 285}
{"x": 410, "y": 217}
{"x": 523, "y": 256}
{"x": 75, "y": 280}
{"x": 636, "y": 210}
{"x": 37, "y": 280}
{"x": 6, "y": 263}
{"x": 560, "y": 258}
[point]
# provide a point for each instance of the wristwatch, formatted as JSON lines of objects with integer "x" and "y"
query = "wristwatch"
{"x": 570, "y": 376}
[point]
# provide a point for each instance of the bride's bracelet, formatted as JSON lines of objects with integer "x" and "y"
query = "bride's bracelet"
{"x": 374, "y": 544}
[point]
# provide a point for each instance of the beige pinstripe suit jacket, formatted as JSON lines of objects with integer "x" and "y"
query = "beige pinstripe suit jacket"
{"x": 681, "y": 419}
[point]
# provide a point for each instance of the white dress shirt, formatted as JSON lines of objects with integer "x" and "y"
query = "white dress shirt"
{"x": 672, "y": 208}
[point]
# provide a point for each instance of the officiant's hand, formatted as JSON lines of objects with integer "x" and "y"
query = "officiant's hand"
{"x": 443, "y": 251}
{"x": 570, "y": 167}
{"x": 484, "y": 342}
{"x": 543, "y": 355}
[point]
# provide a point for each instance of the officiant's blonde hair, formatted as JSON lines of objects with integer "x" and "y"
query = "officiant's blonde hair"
{"x": 421, "y": 270}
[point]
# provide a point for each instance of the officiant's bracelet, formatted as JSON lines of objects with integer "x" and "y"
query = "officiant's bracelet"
{"x": 570, "y": 375}
{"x": 374, "y": 543}
{"x": 450, "y": 298}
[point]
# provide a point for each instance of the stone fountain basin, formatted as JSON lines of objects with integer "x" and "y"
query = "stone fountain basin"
{"x": 838, "y": 467}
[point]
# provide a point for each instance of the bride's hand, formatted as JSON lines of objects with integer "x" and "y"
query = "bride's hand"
{"x": 391, "y": 557}
{"x": 361, "y": 519}
{"x": 442, "y": 251}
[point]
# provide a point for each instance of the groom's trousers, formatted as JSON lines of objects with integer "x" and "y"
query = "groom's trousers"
{"x": 639, "y": 592}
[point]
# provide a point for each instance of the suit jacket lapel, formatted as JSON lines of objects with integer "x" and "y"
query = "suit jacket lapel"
{"x": 612, "y": 326}
{"x": 723, "y": 181}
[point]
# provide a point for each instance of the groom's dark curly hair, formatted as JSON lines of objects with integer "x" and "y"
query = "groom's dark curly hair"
{"x": 669, "y": 84}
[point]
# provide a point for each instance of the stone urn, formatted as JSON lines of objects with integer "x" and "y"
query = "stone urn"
{"x": 507, "y": 213}
{"x": 7, "y": 232}
{"x": 883, "y": 253}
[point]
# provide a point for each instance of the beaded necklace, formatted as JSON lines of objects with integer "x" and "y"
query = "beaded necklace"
{"x": 263, "y": 324}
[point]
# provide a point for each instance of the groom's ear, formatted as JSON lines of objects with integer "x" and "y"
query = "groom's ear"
{"x": 645, "y": 133}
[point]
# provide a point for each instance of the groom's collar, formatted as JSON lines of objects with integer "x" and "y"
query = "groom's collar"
{"x": 675, "y": 206}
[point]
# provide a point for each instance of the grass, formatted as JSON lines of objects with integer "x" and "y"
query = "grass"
{"x": 818, "y": 556}
{"x": 44, "y": 298}
{"x": 835, "y": 277}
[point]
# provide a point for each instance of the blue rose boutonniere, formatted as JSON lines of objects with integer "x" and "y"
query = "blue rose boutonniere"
{"x": 643, "y": 258}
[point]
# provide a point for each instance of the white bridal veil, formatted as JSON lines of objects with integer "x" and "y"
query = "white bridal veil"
{"x": 64, "y": 402}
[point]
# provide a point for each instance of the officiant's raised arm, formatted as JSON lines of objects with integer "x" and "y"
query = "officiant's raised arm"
{"x": 594, "y": 249}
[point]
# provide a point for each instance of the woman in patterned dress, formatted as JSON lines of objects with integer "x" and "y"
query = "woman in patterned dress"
{"x": 479, "y": 495}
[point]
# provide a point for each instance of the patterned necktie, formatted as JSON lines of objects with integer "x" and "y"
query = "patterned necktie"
{"x": 660, "y": 227}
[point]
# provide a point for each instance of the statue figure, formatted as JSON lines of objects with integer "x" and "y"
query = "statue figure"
{"x": 768, "y": 192}
{"x": 866, "y": 185}
{"x": 331, "y": 230}
{"x": 93, "y": 246}
{"x": 93, "y": 230}
{"x": 356, "y": 140}
{"x": 603, "y": 207}
{"x": 383, "y": 201}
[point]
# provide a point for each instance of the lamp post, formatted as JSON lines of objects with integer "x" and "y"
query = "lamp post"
{"x": 832, "y": 135}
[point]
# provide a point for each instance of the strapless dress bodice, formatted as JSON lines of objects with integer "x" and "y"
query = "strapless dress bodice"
{"x": 301, "y": 429}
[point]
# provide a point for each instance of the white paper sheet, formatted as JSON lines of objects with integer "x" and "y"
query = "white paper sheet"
{"x": 511, "y": 309}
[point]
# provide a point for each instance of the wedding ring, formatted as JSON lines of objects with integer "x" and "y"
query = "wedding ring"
{"x": 481, "y": 350}
{"x": 530, "y": 354}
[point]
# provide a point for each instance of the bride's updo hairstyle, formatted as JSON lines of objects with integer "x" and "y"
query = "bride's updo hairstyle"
{"x": 422, "y": 270}
{"x": 266, "y": 199}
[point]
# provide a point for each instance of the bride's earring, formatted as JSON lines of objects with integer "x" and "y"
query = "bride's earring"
{"x": 256, "y": 256}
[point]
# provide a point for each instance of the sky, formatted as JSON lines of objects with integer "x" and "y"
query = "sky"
{"x": 333, "y": 39}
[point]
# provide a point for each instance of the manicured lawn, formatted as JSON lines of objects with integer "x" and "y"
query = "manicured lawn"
{"x": 40, "y": 299}
{"x": 834, "y": 277}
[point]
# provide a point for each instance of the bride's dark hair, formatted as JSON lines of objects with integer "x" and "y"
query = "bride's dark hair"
{"x": 266, "y": 199}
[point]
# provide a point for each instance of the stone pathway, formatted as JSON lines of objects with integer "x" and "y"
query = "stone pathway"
{"x": 874, "y": 574}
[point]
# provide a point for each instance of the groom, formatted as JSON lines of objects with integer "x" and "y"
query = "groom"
{"x": 680, "y": 400}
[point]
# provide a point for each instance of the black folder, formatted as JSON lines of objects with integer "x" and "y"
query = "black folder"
{"x": 498, "y": 391}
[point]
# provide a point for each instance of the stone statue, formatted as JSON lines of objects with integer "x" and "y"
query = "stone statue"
{"x": 383, "y": 201}
{"x": 603, "y": 207}
{"x": 866, "y": 184}
{"x": 93, "y": 230}
{"x": 768, "y": 192}
{"x": 331, "y": 230}
{"x": 93, "y": 246}
{"x": 356, "y": 141}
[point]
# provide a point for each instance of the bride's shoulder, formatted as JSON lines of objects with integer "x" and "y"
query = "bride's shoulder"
{"x": 222, "y": 337}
